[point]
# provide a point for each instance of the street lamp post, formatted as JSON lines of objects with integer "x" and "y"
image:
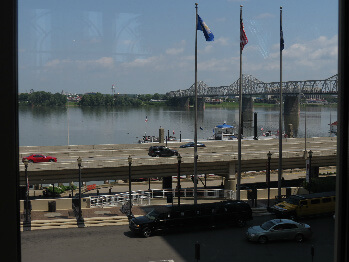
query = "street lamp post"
{"x": 72, "y": 189}
{"x": 305, "y": 131}
{"x": 268, "y": 175}
{"x": 27, "y": 219}
{"x": 310, "y": 157}
{"x": 80, "y": 220}
{"x": 179, "y": 158}
{"x": 129, "y": 184}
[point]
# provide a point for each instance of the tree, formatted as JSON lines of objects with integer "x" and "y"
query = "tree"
{"x": 156, "y": 96}
{"x": 42, "y": 98}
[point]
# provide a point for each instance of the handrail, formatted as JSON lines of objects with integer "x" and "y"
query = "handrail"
{"x": 144, "y": 197}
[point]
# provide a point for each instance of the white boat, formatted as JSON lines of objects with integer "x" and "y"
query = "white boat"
{"x": 224, "y": 132}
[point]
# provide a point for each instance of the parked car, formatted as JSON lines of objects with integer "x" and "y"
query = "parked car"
{"x": 279, "y": 229}
{"x": 162, "y": 151}
{"x": 174, "y": 218}
{"x": 36, "y": 158}
{"x": 305, "y": 205}
{"x": 192, "y": 144}
{"x": 142, "y": 179}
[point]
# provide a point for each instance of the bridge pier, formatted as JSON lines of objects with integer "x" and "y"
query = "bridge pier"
{"x": 161, "y": 135}
{"x": 183, "y": 102}
{"x": 291, "y": 105}
{"x": 201, "y": 103}
{"x": 247, "y": 109}
{"x": 291, "y": 114}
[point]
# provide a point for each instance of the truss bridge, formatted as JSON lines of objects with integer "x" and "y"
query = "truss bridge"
{"x": 253, "y": 86}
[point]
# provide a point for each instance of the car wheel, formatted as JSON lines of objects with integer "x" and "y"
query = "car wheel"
{"x": 241, "y": 222}
{"x": 51, "y": 160}
{"x": 146, "y": 232}
{"x": 31, "y": 161}
{"x": 262, "y": 239}
{"x": 299, "y": 238}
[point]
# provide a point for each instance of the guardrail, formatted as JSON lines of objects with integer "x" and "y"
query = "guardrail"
{"x": 144, "y": 198}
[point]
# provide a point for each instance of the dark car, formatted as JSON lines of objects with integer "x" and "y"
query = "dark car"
{"x": 174, "y": 218}
{"x": 162, "y": 151}
{"x": 36, "y": 158}
{"x": 192, "y": 144}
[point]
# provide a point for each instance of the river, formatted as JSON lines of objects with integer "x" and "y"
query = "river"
{"x": 43, "y": 126}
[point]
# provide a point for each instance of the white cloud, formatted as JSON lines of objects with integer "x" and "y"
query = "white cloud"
{"x": 316, "y": 53}
{"x": 206, "y": 50}
{"x": 222, "y": 41}
{"x": 313, "y": 59}
{"x": 174, "y": 51}
{"x": 227, "y": 64}
{"x": 98, "y": 64}
{"x": 149, "y": 62}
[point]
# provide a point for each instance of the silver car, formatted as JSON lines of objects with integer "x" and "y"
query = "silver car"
{"x": 279, "y": 229}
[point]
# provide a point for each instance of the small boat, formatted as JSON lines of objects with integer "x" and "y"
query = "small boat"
{"x": 148, "y": 139}
{"x": 172, "y": 138}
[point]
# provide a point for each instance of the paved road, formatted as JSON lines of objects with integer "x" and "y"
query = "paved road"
{"x": 116, "y": 243}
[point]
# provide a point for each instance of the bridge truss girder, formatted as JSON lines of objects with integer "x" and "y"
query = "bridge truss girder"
{"x": 253, "y": 86}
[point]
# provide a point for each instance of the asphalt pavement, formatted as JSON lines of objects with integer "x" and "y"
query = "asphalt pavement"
{"x": 117, "y": 243}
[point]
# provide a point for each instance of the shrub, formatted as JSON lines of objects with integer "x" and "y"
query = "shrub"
{"x": 321, "y": 184}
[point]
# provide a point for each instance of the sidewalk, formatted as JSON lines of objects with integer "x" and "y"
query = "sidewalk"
{"x": 110, "y": 216}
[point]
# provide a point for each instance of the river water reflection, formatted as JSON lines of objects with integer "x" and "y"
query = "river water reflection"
{"x": 87, "y": 126}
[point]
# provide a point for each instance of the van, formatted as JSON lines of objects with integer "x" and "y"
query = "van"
{"x": 306, "y": 205}
{"x": 191, "y": 216}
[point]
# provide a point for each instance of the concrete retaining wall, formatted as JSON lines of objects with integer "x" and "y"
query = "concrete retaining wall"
{"x": 61, "y": 203}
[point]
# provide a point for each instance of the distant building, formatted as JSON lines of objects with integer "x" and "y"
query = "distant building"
{"x": 213, "y": 100}
{"x": 333, "y": 127}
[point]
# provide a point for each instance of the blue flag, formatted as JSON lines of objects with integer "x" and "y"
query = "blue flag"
{"x": 204, "y": 28}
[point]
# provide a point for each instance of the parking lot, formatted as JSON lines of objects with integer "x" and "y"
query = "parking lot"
{"x": 117, "y": 243}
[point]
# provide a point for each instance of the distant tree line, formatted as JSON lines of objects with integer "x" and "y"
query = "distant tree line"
{"x": 98, "y": 99}
{"x": 42, "y": 98}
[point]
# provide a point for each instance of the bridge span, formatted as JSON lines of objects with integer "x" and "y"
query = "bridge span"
{"x": 253, "y": 86}
{"x": 110, "y": 162}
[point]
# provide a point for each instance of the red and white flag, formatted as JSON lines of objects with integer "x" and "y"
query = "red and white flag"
{"x": 243, "y": 37}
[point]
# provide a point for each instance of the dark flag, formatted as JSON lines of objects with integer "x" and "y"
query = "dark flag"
{"x": 282, "y": 46}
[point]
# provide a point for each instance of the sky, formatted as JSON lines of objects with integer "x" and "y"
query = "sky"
{"x": 147, "y": 47}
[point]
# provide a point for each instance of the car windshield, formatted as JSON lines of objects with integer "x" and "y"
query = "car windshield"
{"x": 267, "y": 225}
{"x": 152, "y": 215}
{"x": 292, "y": 200}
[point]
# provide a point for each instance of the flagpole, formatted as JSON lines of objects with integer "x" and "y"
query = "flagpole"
{"x": 196, "y": 108}
{"x": 280, "y": 114}
{"x": 238, "y": 182}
